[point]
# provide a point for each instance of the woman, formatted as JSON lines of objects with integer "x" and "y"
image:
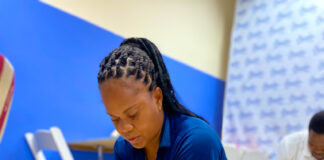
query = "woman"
{"x": 138, "y": 95}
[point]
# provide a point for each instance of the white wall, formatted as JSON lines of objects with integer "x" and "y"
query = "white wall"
{"x": 195, "y": 32}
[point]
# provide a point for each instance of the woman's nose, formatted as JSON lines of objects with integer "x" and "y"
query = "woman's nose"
{"x": 125, "y": 127}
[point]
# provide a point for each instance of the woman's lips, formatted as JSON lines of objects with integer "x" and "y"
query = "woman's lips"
{"x": 133, "y": 140}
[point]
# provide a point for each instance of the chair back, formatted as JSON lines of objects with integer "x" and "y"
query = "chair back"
{"x": 51, "y": 139}
{"x": 7, "y": 82}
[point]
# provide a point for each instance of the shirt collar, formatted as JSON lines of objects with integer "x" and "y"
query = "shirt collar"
{"x": 165, "y": 134}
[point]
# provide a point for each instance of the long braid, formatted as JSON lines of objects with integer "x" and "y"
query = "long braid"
{"x": 143, "y": 55}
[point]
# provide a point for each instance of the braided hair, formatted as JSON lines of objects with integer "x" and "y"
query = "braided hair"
{"x": 139, "y": 57}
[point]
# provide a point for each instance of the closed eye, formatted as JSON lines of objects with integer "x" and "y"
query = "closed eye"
{"x": 114, "y": 119}
{"x": 132, "y": 116}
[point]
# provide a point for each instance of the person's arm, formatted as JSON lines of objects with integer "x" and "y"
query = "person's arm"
{"x": 201, "y": 144}
{"x": 283, "y": 153}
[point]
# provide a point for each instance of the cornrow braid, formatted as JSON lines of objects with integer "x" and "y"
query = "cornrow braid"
{"x": 140, "y": 57}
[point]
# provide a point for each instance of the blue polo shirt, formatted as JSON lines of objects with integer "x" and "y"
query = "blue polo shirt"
{"x": 182, "y": 138}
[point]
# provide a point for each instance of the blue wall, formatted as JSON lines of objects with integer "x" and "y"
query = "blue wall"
{"x": 56, "y": 58}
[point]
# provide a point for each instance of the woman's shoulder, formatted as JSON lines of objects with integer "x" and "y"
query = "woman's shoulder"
{"x": 187, "y": 124}
{"x": 193, "y": 135}
{"x": 187, "y": 128}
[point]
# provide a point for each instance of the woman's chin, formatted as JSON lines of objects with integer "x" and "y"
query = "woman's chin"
{"x": 137, "y": 142}
{"x": 137, "y": 146}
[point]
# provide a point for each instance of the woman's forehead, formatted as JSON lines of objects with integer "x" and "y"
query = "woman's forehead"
{"x": 129, "y": 83}
{"x": 120, "y": 94}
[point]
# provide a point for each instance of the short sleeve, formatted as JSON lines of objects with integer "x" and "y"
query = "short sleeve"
{"x": 121, "y": 150}
{"x": 201, "y": 143}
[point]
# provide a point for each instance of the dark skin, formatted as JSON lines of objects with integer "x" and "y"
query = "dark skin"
{"x": 136, "y": 112}
{"x": 316, "y": 144}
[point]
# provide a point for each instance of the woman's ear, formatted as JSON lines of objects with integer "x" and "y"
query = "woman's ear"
{"x": 158, "y": 97}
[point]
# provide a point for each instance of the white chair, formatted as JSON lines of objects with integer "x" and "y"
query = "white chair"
{"x": 250, "y": 154}
{"x": 51, "y": 139}
{"x": 232, "y": 152}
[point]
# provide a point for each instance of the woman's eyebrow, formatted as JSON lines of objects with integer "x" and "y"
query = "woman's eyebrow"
{"x": 129, "y": 108}
{"x": 126, "y": 110}
{"x": 111, "y": 115}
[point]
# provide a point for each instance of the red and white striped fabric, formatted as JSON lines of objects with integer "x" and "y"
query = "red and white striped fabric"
{"x": 7, "y": 81}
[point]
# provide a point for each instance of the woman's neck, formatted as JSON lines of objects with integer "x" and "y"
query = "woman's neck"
{"x": 152, "y": 148}
{"x": 151, "y": 155}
